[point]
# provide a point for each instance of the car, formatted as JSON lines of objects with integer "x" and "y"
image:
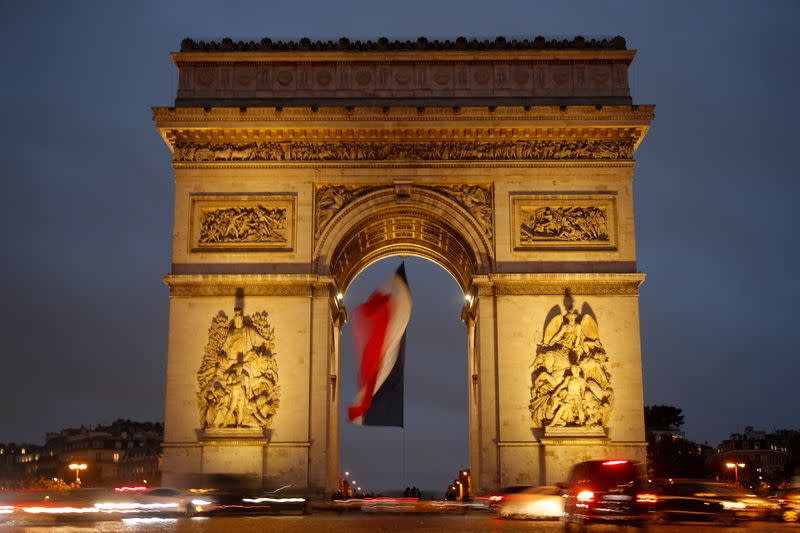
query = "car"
{"x": 248, "y": 501}
{"x": 165, "y": 500}
{"x": 543, "y": 502}
{"x": 498, "y": 495}
{"x": 706, "y": 501}
{"x": 789, "y": 502}
{"x": 611, "y": 491}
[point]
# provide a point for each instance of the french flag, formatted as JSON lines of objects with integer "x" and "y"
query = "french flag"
{"x": 379, "y": 331}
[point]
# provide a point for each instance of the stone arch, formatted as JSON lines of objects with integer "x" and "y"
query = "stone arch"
{"x": 421, "y": 222}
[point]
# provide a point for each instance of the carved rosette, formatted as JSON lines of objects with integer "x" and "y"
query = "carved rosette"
{"x": 575, "y": 224}
{"x": 570, "y": 380}
{"x": 258, "y": 224}
{"x": 238, "y": 377}
{"x": 422, "y": 151}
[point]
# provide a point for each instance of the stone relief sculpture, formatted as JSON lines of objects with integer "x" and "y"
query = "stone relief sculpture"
{"x": 571, "y": 383}
{"x": 384, "y": 151}
{"x": 238, "y": 378}
{"x": 477, "y": 199}
{"x": 243, "y": 224}
{"x": 565, "y": 224}
{"x": 330, "y": 199}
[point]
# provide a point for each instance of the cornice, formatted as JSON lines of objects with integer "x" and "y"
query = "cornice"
{"x": 623, "y": 284}
{"x": 251, "y": 284}
{"x": 583, "y": 163}
{"x": 413, "y": 56}
{"x": 403, "y": 124}
{"x": 553, "y": 115}
{"x": 421, "y": 44}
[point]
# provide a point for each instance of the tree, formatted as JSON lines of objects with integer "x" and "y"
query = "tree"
{"x": 670, "y": 456}
{"x": 663, "y": 418}
{"x": 668, "y": 453}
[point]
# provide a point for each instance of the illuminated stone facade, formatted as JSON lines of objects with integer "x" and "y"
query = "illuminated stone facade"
{"x": 298, "y": 165}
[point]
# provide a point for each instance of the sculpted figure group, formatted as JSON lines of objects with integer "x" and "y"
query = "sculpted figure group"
{"x": 243, "y": 224}
{"x": 238, "y": 378}
{"x": 565, "y": 224}
{"x": 571, "y": 384}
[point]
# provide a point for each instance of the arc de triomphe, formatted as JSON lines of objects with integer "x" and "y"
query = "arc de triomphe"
{"x": 297, "y": 165}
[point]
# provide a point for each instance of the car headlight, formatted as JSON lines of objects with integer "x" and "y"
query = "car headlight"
{"x": 732, "y": 506}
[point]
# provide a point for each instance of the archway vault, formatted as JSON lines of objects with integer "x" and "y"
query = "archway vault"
{"x": 419, "y": 221}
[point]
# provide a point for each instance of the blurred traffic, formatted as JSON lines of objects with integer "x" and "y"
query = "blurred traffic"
{"x": 610, "y": 491}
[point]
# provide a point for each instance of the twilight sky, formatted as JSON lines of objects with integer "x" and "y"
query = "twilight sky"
{"x": 89, "y": 194}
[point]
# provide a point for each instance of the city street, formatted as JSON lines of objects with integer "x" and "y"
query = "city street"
{"x": 357, "y": 523}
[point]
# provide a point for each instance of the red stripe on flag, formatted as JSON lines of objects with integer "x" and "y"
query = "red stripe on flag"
{"x": 370, "y": 321}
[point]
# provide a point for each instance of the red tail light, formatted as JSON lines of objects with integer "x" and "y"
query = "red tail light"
{"x": 585, "y": 496}
{"x": 646, "y": 498}
{"x": 495, "y": 498}
{"x": 614, "y": 463}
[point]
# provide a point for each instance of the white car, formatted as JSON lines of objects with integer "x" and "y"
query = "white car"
{"x": 543, "y": 502}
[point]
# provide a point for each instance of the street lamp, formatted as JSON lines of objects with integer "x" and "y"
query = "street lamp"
{"x": 736, "y": 467}
{"x": 77, "y": 467}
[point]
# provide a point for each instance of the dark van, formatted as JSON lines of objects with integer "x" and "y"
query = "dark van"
{"x": 611, "y": 491}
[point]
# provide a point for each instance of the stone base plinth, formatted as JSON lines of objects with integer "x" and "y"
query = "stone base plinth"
{"x": 261, "y": 434}
{"x": 574, "y": 432}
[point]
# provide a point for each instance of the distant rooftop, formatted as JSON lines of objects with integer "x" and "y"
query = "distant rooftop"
{"x": 422, "y": 43}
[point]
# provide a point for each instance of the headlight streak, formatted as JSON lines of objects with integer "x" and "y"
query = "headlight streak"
{"x": 60, "y": 510}
{"x": 101, "y": 507}
{"x": 732, "y": 505}
{"x": 273, "y": 500}
{"x": 152, "y": 520}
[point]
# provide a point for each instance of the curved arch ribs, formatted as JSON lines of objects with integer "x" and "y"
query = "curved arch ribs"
{"x": 449, "y": 224}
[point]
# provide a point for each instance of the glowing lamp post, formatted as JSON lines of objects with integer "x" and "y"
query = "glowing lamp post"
{"x": 736, "y": 467}
{"x": 77, "y": 467}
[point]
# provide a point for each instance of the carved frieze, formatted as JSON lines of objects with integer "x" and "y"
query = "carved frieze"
{"x": 241, "y": 222}
{"x": 238, "y": 377}
{"x": 423, "y": 151}
{"x": 564, "y": 221}
{"x": 571, "y": 385}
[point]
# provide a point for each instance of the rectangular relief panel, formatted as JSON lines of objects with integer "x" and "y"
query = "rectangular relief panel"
{"x": 565, "y": 221}
{"x": 242, "y": 223}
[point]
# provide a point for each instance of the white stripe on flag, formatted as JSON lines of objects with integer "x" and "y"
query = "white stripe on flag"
{"x": 400, "y": 298}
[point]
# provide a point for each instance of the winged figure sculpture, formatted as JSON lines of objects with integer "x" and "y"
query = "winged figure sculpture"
{"x": 571, "y": 385}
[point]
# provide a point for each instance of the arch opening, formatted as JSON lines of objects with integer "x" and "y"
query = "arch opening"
{"x": 427, "y": 452}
